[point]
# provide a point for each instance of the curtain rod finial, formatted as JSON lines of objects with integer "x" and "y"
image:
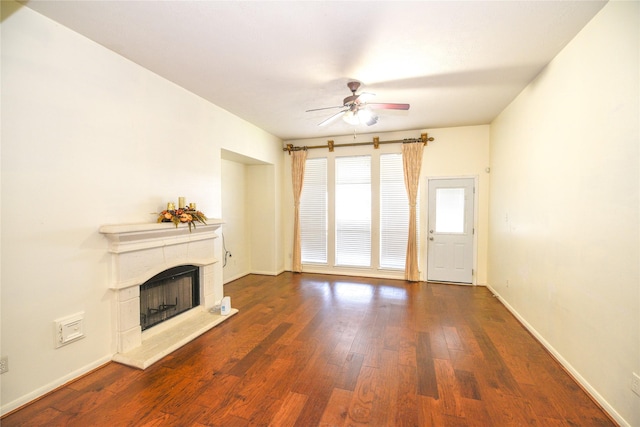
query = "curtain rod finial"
{"x": 425, "y": 137}
{"x": 288, "y": 148}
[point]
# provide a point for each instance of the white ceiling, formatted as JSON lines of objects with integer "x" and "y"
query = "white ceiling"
{"x": 456, "y": 62}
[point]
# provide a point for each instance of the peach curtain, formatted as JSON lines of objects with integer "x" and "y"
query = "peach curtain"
{"x": 297, "y": 177}
{"x": 412, "y": 162}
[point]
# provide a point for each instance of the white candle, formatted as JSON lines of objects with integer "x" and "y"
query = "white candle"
{"x": 181, "y": 202}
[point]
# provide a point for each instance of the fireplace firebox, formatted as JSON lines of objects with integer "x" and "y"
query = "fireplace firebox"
{"x": 168, "y": 294}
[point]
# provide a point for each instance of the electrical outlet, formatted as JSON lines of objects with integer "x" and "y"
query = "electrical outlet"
{"x": 4, "y": 364}
{"x": 635, "y": 384}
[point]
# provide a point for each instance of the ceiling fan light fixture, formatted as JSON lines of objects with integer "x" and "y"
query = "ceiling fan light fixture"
{"x": 372, "y": 121}
{"x": 360, "y": 117}
{"x": 367, "y": 117}
{"x": 351, "y": 117}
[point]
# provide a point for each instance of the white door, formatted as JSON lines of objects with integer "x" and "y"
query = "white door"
{"x": 450, "y": 231}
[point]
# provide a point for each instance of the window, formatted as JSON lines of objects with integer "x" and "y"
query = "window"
{"x": 353, "y": 211}
{"x": 394, "y": 212}
{"x": 313, "y": 212}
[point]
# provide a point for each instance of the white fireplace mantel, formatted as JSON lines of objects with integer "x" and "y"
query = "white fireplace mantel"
{"x": 130, "y": 237}
{"x": 140, "y": 251}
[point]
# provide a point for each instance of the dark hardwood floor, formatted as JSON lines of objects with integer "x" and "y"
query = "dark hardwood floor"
{"x": 308, "y": 350}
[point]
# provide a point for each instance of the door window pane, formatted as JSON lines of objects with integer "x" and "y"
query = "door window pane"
{"x": 450, "y": 210}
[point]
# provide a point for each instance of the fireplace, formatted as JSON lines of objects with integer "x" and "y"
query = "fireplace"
{"x": 169, "y": 294}
{"x": 139, "y": 254}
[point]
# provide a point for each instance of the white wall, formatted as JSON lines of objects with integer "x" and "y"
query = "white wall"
{"x": 564, "y": 225}
{"x": 89, "y": 138}
{"x": 462, "y": 151}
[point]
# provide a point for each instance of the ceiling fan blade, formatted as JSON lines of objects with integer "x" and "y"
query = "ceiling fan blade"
{"x": 332, "y": 118}
{"x": 324, "y": 108}
{"x": 388, "y": 106}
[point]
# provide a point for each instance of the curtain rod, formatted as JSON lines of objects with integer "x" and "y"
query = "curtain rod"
{"x": 424, "y": 138}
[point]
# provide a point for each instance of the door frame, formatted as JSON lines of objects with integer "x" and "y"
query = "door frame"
{"x": 425, "y": 225}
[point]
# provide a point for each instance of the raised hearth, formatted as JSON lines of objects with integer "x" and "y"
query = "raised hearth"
{"x": 140, "y": 251}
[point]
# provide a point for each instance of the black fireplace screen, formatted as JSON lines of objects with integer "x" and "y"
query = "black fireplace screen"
{"x": 168, "y": 294}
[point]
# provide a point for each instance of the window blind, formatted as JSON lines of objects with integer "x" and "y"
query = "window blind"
{"x": 353, "y": 211}
{"x": 313, "y": 212}
{"x": 394, "y": 212}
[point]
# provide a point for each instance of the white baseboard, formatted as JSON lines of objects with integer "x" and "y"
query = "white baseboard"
{"x": 39, "y": 392}
{"x": 235, "y": 277}
{"x": 570, "y": 369}
{"x": 265, "y": 273}
{"x": 261, "y": 273}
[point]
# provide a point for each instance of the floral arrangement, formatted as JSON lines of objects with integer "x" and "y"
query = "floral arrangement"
{"x": 186, "y": 215}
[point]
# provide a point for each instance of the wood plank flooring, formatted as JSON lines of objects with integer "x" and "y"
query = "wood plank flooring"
{"x": 318, "y": 350}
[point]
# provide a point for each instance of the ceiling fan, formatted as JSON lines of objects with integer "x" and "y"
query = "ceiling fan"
{"x": 356, "y": 110}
